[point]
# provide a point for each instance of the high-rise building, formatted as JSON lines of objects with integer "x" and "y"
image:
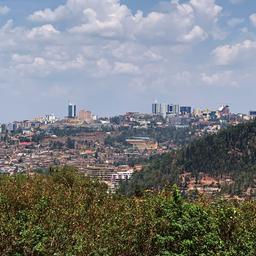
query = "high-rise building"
{"x": 173, "y": 109}
{"x": 74, "y": 109}
{"x": 185, "y": 110}
{"x": 164, "y": 109}
{"x": 71, "y": 110}
{"x": 160, "y": 109}
{"x": 176, "y": 109}
{"x": 170, "y": 108}
{"x": 85, "y": 116}
{"x": 156, "y": 108}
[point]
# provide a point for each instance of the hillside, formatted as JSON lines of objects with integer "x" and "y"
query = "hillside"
{"x": 231, "y": 152}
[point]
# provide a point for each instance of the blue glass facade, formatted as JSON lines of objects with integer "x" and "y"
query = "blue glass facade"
{"x": 185, "y": 110}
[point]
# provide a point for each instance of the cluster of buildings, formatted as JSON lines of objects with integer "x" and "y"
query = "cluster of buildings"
{"x": 170, "y": 110}
{"x": 82, "y": 116}
{"x": 110, "y": 149}
{"x": 176, "y": 114}
{"x": 164, "y": 109}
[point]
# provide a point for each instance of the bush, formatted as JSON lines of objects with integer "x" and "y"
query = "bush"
{"x": 64, "y": 213}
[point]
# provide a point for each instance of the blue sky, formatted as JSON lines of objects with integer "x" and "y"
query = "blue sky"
{"x": 112, "y": 56}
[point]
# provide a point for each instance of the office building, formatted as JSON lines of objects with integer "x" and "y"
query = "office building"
{"x": 160, "y": 109}
{"x": 185, "y": 110}
{"x": 170, "y": 108}
{"x": 176, "y": 109}
{"x": 156, "y": 108}
{"x": 164, "y": 110}
{"x": 252, "y": 113}
{"x": 71, "y": 111}
{"x": 85, "y": 116}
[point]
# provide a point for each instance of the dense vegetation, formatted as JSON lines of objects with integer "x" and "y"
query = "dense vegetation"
{"x": 231, "y": 152}
{"x": 65, "y": 214}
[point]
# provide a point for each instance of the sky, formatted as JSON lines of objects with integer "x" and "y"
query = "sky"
{"x": 115, "y": 56}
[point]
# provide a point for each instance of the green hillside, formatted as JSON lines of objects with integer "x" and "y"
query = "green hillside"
{"x": 231, "y": 152}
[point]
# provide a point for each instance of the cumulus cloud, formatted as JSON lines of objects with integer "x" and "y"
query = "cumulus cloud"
{"x": 84, "y": 47}
{"x": 197, "y": 33}
{"x": 207, "y": 8}
{"x": 78, "y": 9}
{"x": 253, "y": 19}
{"x": 4, "y": 10}
{"x": 45, "y": 31}
{"x": 183, "y": 22}
{"x": 104, "y": 38}
{"x": 48, "y": 15}
{"x": 228, "y": 54}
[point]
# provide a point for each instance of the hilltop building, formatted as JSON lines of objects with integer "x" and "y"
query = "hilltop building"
{"x": 85, "y": 116}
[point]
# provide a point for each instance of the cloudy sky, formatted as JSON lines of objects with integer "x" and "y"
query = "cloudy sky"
{"x": 113, "y": 56}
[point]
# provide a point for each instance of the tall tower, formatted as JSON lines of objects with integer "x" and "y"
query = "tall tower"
{"x": 74, "y": 111}
{"x": 156, "y": 108}
{"x": 71, "y": 110}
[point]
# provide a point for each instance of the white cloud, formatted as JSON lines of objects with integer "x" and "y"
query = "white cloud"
{"x": 88, "y": 46}
{"x": 228, "y": 54}
{"x": 125, "y": 68}
{"x": 207, "y": 8}
{"x": 45, "y": 31}
{"x": 197, "y": 33}
{"x": 253, "y": 19}
{"x": 184, "y": 22}
{"x": 4, "y": 10}
{"x": 100, "y": 38}
{"x": 48, "y": 15}
{"x": 220, "y": 79}
{"x": 78, "y": 9}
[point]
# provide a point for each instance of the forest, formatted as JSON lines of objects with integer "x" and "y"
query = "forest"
{"x": 231, "y": 152}
{"x": 64, "y": 213}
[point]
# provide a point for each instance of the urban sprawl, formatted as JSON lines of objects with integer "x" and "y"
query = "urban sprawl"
{"x": 110, "y": 149}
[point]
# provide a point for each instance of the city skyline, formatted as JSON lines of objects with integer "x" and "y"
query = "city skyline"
{"x": 117, "y": 56}
{"x": 74, "y": 111}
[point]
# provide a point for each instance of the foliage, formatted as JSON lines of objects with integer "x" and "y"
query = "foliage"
{"x": 161, "y": 171}
{"x": 232, "y": 149}
{"x": 230, "y": 153}
{"x": 64, "y": 213}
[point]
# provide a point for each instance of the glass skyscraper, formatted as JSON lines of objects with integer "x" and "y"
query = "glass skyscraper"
{"x": 71, "y": 111}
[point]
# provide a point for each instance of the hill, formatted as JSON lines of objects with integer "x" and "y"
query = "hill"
{"x": 230, "y": 153}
